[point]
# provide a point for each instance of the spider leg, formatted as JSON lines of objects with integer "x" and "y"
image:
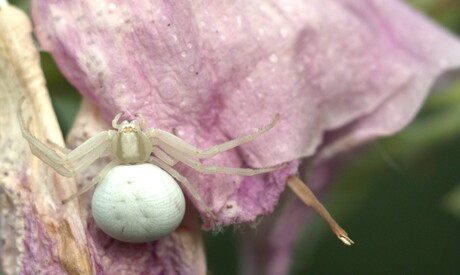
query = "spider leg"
{"x": 59, "y": 168}
{"x": 58, "y": 147}
{"x": 186, "y": 184}
{"x": 217, "y": 169}
{"x": 163, "y": 138}
{"x": 85, "y": 161}
{"x": 163, "y": 156}
{"x": 64, "y": 162}
{"x": 94, "y": 181}
{"x": 72, "y": 163}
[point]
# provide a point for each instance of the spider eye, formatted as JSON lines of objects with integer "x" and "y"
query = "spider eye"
{"x": 129, "y": 129}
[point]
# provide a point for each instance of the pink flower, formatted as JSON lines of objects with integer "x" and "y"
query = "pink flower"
{"x": 339, "y": 73}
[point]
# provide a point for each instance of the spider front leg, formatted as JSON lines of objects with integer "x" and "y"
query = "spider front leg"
{"x": 158, "y": 162}
{"x": 64, "y": 162}
{"x": 165, "y": 139}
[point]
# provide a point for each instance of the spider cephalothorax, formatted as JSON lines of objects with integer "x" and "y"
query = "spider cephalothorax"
{"x": 130, "y": 145}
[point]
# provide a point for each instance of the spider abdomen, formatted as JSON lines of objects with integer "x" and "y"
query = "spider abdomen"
{"x": 138, "y": 203}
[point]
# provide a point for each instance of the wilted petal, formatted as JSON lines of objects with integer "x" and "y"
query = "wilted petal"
{"x": 34, "y": 224}
{"x": 216, "y": 70}
{"x": 178, "y": 79}
{"x": 424, "y": 51}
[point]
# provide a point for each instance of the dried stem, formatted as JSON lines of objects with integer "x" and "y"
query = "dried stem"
{"x": 306, "y": 195}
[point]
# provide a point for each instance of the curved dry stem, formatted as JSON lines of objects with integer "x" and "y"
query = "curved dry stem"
{"x": 306, "y": 195}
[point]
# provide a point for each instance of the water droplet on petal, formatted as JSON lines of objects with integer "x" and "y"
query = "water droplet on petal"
{"x": 273, "y": 58}
{"x": 283, "y": 33}
{"x": 112, "y": 7}
{"x": 239, "y": 21}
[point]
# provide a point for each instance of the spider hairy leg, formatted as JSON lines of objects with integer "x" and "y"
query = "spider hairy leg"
{"x": 163, "y": 138}
{"x": 44, "y": 153}
{"x": 185, "y": 183}
{"x": 67, "y": 163}
{"x": 237, "y": 141}
{"x": 58, "y": 148}
{"x": 217, "y": 169}
{"x": 163, "y": 156}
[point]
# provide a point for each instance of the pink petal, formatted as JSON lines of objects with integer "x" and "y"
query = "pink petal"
{"x": 426, "y": 51}
{"x": 216, "y": 70}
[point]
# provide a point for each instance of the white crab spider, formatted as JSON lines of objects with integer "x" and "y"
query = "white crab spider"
{"x": 137, "y": 201}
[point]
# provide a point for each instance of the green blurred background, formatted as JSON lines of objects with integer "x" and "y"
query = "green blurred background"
{"x": 399, "y": 200}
